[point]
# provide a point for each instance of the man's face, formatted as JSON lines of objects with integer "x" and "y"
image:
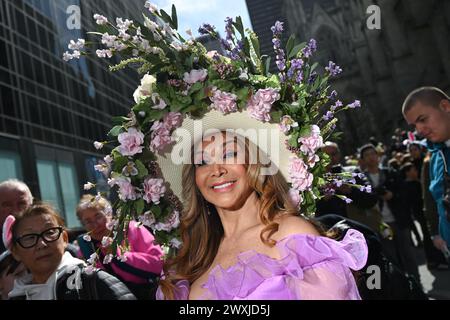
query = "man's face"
{"x": 12, "y": 201}
{"x": 431, "y": 123}
{"x": 370, "y": 157}
{"x": 333, "y": 152}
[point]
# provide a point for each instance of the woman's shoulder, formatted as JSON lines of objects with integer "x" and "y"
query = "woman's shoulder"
{"x": 290, "y": 225}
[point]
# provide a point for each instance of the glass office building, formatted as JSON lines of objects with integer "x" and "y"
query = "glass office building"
{"x": 51, "y": 111}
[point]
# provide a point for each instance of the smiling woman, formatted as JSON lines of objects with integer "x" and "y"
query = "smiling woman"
{"x": 239, "y": 221}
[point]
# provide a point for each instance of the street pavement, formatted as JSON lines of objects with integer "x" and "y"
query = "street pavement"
{"x": 436, "y": 283}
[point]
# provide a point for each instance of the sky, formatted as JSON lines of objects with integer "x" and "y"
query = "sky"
{"x": 193, "y": 13}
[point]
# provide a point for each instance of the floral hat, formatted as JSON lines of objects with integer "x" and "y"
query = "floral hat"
{"x": 183, "y": 82}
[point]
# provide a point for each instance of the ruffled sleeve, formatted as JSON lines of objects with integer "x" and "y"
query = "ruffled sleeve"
{"x": 325, "y": 264}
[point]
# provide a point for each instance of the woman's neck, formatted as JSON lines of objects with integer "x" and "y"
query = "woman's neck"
{"x": 235, "y": 222}
{"x": 41, "y": 278}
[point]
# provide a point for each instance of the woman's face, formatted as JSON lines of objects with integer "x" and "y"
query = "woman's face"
{"x": 220, "y": 174}
{"x": 95, "y": 222}
{"x": 43, "y": 258}
{"x": 415, "y": 152}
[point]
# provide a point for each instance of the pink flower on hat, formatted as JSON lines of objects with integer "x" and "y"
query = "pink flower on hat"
{"x": 172, "y": 120}
{"x": 153, "y": 190}
{"x": 295, "y": 196}
{"x": 223, "y": 101}
{"x": 261, "y": 103}
{"x": 301, "y": 179}
{"x": 7, "y": 231}
{"x": 195, "y": 76}
{"x": 131, "y": 142}
{"x": 126, "y": 189}
{"x": 160, "y": 137}
{"x": 312, "y": 142}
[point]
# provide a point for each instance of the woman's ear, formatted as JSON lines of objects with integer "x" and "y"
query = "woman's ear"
{"x": 65, "y": 236}
{"x": 445, "y": 105}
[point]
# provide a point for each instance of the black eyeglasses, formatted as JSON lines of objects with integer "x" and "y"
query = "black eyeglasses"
{"x": 31, "y": 239}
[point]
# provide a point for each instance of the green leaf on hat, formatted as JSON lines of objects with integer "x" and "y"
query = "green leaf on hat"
{"x": 174, "y": 17}
{"x": 139, "y": 206}
{"x": 115, "y": 131}
{"x": 142, "y": 170}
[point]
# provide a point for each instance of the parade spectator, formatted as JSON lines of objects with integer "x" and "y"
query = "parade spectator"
{"x": 38, "y": 239}
{"x": 142, "y": 264}
{"x": 428, "y": 110}
{"x": 436, "y": 260}
{"x": 15, "y": 196}
{"x": 387, "y": 186}
{"x": 415, "y": 149}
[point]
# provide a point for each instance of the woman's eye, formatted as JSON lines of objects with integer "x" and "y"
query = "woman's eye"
{"x": 230, "y": 154}
{"x": 200, "y": 164}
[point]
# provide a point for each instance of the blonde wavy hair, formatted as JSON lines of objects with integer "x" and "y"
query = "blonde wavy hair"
{"x": 201, "y": 228}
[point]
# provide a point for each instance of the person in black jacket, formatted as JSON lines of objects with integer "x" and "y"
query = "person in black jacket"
{"x": 386, "y": 183}
{"x": 38, "y": 239}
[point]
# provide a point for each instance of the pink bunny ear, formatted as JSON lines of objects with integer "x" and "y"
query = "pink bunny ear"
{"x": 7, "y": 231}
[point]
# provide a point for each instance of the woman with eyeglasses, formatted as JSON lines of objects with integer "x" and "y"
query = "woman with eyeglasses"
{"x": 38, "y": 239}
{"x": 140, "y": 267}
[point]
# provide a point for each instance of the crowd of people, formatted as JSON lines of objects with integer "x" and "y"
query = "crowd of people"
{"x": 402, "y": 201}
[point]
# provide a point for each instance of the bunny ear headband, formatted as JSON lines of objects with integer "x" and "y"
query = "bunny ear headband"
{"x": 7, "y": 231}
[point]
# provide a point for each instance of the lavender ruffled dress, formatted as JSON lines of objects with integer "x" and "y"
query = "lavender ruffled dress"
{"x": 311, "y": 267}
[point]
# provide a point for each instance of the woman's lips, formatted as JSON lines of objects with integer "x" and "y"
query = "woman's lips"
{"x": 44, "y": 257}
{"x": 225, "y": 187}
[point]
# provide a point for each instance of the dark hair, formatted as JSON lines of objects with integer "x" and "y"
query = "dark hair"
{"x": 37, "y": 210}
{"x": 364, "y": 148}
{"x": 430, "y": 96}
{"x": 406, "y": 167}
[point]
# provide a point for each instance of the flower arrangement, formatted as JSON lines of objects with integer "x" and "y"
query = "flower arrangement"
{"x": 180, "y": 78}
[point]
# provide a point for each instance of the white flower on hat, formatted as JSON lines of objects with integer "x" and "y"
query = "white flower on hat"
{"x": 145, "y": 89}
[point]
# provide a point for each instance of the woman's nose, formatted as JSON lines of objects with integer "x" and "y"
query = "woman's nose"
{"x": 217, "y": 169}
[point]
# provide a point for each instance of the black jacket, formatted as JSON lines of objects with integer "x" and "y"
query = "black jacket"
{"x": 79, "y": 285}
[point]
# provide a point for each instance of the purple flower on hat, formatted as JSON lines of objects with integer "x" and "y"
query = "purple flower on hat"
{"x": 355, "y": 104}
{"x": 310, "y": 48}
{"x": 333, "y": 69}
{"x": 261, "y": 103}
